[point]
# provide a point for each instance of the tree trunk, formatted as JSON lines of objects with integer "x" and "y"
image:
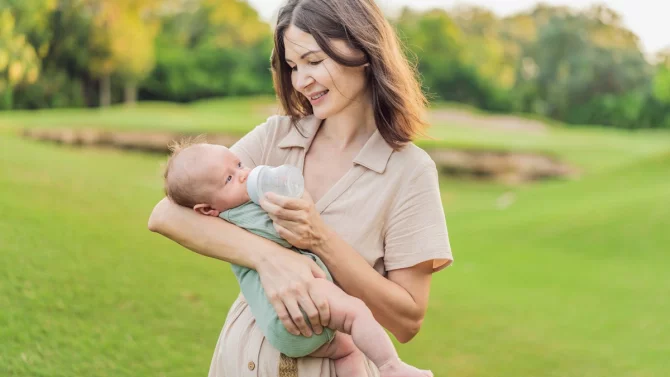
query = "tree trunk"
{"x": 82, "y": 91}
{"x": 105, "y": 91}
{"x": 130, "y": 93}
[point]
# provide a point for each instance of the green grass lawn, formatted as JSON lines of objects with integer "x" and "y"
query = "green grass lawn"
{"x": 232, "y": 114}
{"x": 569, "y": 280}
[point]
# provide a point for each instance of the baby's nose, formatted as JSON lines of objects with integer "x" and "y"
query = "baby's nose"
{"x": 244, "y": 175}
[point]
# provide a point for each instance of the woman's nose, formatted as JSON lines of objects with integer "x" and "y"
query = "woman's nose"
{"x": 303, "y": 80}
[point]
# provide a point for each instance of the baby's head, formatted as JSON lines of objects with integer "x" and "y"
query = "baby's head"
{"x": 206, "y": 177}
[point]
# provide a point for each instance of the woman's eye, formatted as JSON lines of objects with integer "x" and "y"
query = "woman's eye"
{"x": 230, "y": 178}
{"x": 294, "y": 69}
{"x": 239, "y": 164}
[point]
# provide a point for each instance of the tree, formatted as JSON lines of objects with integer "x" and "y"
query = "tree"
{"x": 492, "y": 57}
{"x": 607, "y": 30}
{"x": 438, "y": 41}
{"x": 32, "y": 19}
{"x": 661, "y": 83}
{"x": 571, "y": 61}
{"x": 210, "y": 48}
{"x": 123, "y": 34}
{"x": 134, "y": 45}
{"x": 19, "y": 63}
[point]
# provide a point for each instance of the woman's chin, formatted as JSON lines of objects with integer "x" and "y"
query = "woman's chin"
{"x": 325, "y": 112}
{"x": 320, "y": 114}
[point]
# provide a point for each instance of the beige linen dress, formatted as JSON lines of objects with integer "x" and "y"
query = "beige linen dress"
{"x": 387, "y": 207}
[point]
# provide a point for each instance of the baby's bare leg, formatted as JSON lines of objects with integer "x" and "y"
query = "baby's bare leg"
{"x": 349, "y": 360}
{"x": 350, "y": 315}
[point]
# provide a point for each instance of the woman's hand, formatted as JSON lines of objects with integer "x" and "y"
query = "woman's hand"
{"x": 286, "y": 278}
{"x": 296, "y": 220}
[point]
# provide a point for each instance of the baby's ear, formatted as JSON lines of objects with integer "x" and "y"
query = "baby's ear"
{"x": 205, "y": 209}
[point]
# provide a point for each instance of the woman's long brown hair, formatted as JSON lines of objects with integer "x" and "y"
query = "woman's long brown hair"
{"x": 399, "y": 104}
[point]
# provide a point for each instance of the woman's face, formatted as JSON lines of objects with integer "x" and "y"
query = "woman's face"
{"x": 330, "y": 87}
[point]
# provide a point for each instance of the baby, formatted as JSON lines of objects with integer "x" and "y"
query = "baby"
{"x": 212, "y": 180}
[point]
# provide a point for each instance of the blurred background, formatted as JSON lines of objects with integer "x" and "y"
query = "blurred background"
{"x": 550, "y": 125}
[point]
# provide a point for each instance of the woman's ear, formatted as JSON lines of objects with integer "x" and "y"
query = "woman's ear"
{"x": 205, "y": 209}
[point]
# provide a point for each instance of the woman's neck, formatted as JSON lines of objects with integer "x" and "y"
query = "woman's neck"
{"x": 351, "y": 127}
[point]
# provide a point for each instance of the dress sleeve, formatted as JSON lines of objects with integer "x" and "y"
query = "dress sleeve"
{"x": 252, "y": 147}
{"x": 416, "y": 230}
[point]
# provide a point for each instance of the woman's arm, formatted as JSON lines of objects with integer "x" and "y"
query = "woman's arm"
{"x": 399, "y": 302}
{"x": 284, "y": 273}
{"x": 208, "y": 236}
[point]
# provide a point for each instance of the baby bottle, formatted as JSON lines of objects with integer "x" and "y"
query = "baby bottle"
{"x": 285, "y": 180}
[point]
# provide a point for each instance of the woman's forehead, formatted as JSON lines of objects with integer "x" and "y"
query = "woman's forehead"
{"x": 298, "y": 42}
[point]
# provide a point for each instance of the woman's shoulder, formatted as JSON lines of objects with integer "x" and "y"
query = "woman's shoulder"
{"x": 279, "y": 126}
{"x": 412, "y": 160}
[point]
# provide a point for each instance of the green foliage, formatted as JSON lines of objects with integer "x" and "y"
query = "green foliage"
{"x": 576, "y": 66}
{"x": 450, "y": 69}
{"x": 220, "y": 49}
{"x": 19, "y": 62}
{"x": 61, "y": 38}
{"x": 125, "y": 30}
{"x": 573, "y": 69}
{"x": 662, "y": 84}
{"x": 32, "y": 20}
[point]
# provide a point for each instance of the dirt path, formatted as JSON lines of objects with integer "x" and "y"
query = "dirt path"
{"x": 509, "y": 167}
{"x": 466, "y": 118}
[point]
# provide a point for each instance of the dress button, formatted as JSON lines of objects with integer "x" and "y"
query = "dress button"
{"x": 251, "y": 365}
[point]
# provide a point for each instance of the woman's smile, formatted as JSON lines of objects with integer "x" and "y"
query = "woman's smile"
{"x": 318, "y": 97}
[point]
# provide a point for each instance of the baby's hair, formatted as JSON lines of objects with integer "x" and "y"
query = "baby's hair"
{"x": 177, "y": 186}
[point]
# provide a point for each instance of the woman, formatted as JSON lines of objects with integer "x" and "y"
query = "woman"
{"x": 372, "y": 208}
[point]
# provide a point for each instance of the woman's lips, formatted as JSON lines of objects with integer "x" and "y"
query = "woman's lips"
{"x": 320, "y": 98}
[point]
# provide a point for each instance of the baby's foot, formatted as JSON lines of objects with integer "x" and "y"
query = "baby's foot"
{"x": 397, "y": 368}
